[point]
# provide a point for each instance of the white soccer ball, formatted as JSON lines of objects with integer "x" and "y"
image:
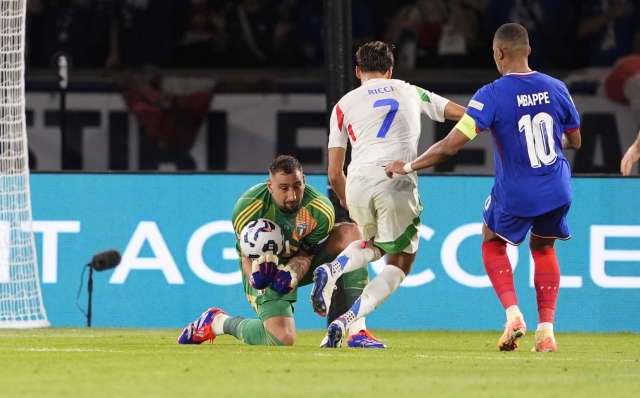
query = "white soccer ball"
{"x": 259, "y": 237}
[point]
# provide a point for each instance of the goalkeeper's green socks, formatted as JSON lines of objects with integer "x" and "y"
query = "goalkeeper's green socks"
{"x": 249, "y": 331}
{"x": 354, "y": 283}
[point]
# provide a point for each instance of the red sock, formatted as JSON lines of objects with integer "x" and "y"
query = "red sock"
{"x": 498, "y": 267}
{"x": 546, "y": 279}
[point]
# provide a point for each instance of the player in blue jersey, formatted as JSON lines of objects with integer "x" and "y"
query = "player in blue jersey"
{"x": 532, "y": 119}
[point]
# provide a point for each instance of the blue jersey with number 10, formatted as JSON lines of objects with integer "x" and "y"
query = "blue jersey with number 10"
{"x": 527, "y": 113}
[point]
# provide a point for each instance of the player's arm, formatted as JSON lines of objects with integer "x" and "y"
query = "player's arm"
{"x": 444, "y": 149}
{"x": 287, "y": 276}
{"x": 438, "y": 108}
{"x": 301, "y": 261}
{"x": 571, "y": 140}
{"x": 439, "y": 152}
{"x": 246, "y": 265}
{"x": 453, "y": 111}
{"x": 337, "y": 179}
{"x": 260, "y": 271}
{"x": 338, "y": 140}
{"x": 324, "y": 214}
{"x": 300, "y": 264}
{"x": 630, "y": 157}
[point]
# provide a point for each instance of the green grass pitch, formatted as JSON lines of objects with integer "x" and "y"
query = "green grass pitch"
{"x": 147, "y": 363}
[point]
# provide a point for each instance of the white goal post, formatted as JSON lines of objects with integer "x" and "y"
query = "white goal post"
{"x": 21, "y": 303}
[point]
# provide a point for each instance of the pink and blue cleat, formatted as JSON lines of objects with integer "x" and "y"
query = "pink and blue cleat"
{"x": 364, "y": 339}
{"x": 199, "y": 331}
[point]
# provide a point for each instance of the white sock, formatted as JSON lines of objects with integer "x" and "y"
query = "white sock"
{"x": 546, "y": 327}
{"x": 375, "y": 293}
{"x": 357, "y": 325}
{"x": 513, "y": 312}
{"x": 218, "y": 321}
{"x": 355, "y": 257}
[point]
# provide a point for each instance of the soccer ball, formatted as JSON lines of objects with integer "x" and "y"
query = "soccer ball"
{"x": 259, "y": 237}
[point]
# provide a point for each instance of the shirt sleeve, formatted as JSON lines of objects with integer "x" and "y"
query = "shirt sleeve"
{"x": 337, "y": 130}
{"x": 482, "y": 108}
{"x": 246, "y": 209}
{"x": 324, "y": 214}
{"x": 431, "y": 104}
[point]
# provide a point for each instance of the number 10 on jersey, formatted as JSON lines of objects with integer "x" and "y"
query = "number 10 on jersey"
{"x": 539, "y": 135}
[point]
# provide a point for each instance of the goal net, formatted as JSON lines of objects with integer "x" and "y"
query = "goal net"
{"x": 20, "y": 296}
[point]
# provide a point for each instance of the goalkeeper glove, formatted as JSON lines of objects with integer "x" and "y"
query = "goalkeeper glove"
{"x": 285, "y": 280}
{"x": 263, "y": 270}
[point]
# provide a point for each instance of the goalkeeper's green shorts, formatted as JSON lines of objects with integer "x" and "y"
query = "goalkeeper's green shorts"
{"x": 268, "y": 303}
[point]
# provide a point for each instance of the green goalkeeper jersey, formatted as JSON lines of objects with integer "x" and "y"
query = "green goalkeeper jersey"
{"x": 304, "y": 230}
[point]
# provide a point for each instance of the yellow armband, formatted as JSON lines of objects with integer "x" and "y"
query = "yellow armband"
{"x": 468, "y": 126}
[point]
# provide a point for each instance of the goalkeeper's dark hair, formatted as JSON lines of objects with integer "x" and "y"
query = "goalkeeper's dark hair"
{"x": 512, "y": 33}
{"x": 285, "y": 164}
{"x": 375, "y": 56}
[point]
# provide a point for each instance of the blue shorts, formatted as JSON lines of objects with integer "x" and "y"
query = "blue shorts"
{"x": 514, "y": 229}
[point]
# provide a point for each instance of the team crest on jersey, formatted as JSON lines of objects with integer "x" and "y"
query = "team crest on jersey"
{"x": 301, "y": 228}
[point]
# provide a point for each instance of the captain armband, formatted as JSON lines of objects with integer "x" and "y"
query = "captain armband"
{"x": 468, "y": 126}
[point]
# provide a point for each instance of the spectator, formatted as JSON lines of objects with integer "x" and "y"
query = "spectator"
{"x": 76, "y": 28}
{"x": 622, "y": 85}
{"x": 612, "y": 28}
{"x": 546, "y": 21}
{"x": 146, "y": 32}
{"x": 415, "y": 30}
{"x": 201, "y": 44}
{"x": 256, "y": 34}
{"x": 463, "y": 25}
{"x": 435, "y": 32}
{"x": 383, "y": 12}
{"x": 311, "y": 25}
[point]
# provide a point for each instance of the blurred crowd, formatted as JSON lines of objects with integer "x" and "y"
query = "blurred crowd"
{"x": 125, "y": 34}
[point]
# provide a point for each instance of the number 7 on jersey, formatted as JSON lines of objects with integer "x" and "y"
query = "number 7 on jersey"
{"x": 393, "y": 109}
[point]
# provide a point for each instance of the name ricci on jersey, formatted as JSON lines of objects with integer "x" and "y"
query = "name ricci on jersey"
{"x": 380, "y": 90}
{"x": 533, "y": 99}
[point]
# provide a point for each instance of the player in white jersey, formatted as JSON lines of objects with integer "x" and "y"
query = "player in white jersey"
{"x": 381, "y": 119}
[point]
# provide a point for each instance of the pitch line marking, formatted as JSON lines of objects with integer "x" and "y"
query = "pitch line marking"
{"x": 526, "y": 358}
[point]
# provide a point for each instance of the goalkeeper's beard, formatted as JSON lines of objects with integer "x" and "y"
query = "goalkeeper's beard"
{"x": 290, "y": 207}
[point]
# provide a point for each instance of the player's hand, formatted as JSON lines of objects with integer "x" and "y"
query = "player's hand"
{"x": 397, "y": 166}
{"x": 263, "y": 270}
{"x": 285, "y": 280}
{"x": 632, "y": 156}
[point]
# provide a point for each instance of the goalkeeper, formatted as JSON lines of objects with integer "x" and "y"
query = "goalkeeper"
{"x": 306, "y": 218}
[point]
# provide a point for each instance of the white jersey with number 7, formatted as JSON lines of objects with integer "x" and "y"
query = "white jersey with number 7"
{"x": 381, "y": 118}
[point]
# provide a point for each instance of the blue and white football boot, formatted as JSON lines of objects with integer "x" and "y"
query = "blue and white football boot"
{"x": 335, "y": 333}
{"x": 324, "y": 283}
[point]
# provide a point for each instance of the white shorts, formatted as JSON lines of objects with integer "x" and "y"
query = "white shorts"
{"x": 387, "y": 210}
